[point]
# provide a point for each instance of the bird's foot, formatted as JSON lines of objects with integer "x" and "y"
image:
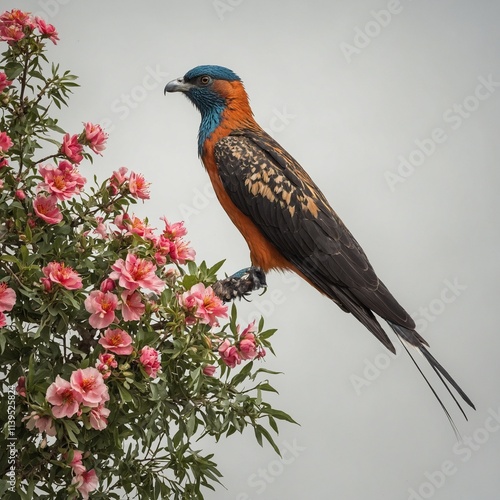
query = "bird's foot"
{"x": 240, "y": 284}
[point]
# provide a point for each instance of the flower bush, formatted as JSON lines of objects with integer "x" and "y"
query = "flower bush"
{"x": 115, "y": 352}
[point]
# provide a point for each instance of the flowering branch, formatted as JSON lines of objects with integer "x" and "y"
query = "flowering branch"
{"x": 116, "y": 349}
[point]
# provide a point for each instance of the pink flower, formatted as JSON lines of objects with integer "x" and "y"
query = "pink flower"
{"x": 229, "y": 354}
{"x": 4, "y": 83}
{"x": 101, "y": 228}
{"x": 247, "y": 344}
{"x": 117, "y": 180}
{"x": 104, "y": 364}
{"x": 61, "y": 394}
{"x": 58, "y": 272}
{"x": 108, "y": 285}
{"x": 46, "y": 208}
{"x": 11, "y": 33}
{"x": 3, "y": 319}
{"x": 96, "y": 138}
{"x": 76, "y": 464}
{"x": 5, "y": 142}
{"x": 101, "y": 306}
{"x": 12, "y": 25}
{"x": 63, "y": 181}
{"x": 135, "y": 272}
{"x": 180, "y": 251}
{"x": 209, "y": 370}
{"x": 174, "y": 230}
{"x": 117, "y": 341}
{"x": 203, "y": 304}
{"x": 21, "y": 386}
{"x": 47, "y": 30}
{"x": 20, "y": 194}
{"x": 86, "y": 483}
{"x": 7, "y": 297}
{"x": 42, "y": 423}
{"x": 138, "y": 186}
{"x": 98, "y": 417}
{"x": 71, "y": 148}
{"x": 150, "y": 360}
{"x": 133, "y": 225}
{"x": 132, "y": 306}
{"x": 89, "y": 387}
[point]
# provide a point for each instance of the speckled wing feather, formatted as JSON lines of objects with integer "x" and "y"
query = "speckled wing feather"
{"x": 275, "y": 192}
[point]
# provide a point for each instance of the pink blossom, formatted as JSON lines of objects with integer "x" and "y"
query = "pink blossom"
{"x": 101, "y": 228}
{"x": 43, "y": 423}
{"x": 203, "y": 304}
{"x": 117, "y": 341}
{"x": 98, "y": 417}
{"x": 20, "y": 194}
{"x": 261, "y": 353}
{"x": 12, "y": 25}
{"x": 63, "y": 181}
{"x": 46, "y": 208}
{"x": 5, "y": 142}
{"x": 104, "y": 364}
{"x": 132, "y": 306}
{"x": 96, "y": 137}
{"x": 47, "y": 30}
{"x": 135, "y": 272}
{"x": 209, "y": 370}
{"x": 247, "y": 344}
{"x": 133, "y": 225}
{"x": 138, "y": 186}
{"x": 102, "y": 306}
{"x": 61, "y": 394}
{"x": 118, "y": 179}
{"x": 21, "y": 386}
{"x": 150, "y": 361}
{"x": 4, "y": 83}
{"x": 174, "y": 230}
{"x": 229, "y": 354}
{"x": 3, "y": 319}
{"x": 77, "y": 464}
{"x": 108, "y": 285}
{"x": 86, "y": 483}
{"x": 89, "y": 387}
{"x": 58, "y": 272}
{"x": 71, "y": 148}
{"x": 7, "y": 297}
{"x": 180, "y": 251}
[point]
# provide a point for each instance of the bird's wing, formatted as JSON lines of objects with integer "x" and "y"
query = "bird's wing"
{"x": 274, "y": 191}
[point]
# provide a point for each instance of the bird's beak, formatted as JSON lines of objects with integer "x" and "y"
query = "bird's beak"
{"x": 177, "y": 85}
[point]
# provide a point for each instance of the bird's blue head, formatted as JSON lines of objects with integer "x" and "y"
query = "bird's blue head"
{"x": 211, "y": 89}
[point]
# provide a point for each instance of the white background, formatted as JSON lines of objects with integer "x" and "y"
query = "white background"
{"x": 348, "y": 88}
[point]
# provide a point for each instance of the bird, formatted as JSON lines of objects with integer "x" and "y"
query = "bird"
{"x": 286, "y": 220}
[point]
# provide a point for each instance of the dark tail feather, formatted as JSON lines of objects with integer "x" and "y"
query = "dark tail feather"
{"x": 414, "y": 339}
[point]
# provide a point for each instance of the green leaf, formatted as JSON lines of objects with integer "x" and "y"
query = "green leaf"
{"x": 13, "y": 70}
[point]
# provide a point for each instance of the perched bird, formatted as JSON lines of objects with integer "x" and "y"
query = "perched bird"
{"x": 284, "y": 217}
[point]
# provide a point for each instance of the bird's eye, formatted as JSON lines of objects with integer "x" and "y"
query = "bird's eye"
{"x": 205, "y": 80}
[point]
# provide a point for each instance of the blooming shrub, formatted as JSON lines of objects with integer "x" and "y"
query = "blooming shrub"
{"x": 115, "y": 352}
